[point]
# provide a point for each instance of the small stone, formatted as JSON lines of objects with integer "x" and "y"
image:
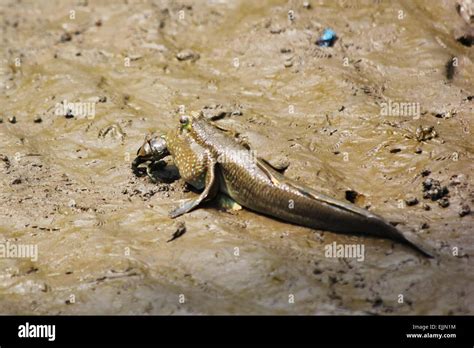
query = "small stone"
{"x": 187, "y": 55}
{"x": 465, "y": 210}
{"x": 467, "y": 37}
{"x": 237, "y": 113}
{"x": 395, "y": 150}
{"x": 12, "y": 119}
{"x": 351, "y": 195}
{"x": 424, "y": 226}
{"x": 306, "y": 5}
{"x": 443, "y": 202}
{"x": 288, "y": 64}
{"x": 424, "y": 133}
{"x": 69, "y": 114}
{"x": 1, "y": 120}
{"x": 65, "y": 37}
{"x": 426, "y": 207}
{"x": 179, "y": 231}
{"x": 377, "y": 302}
{"x": 102, "y": 99}
{"x": 285, "y": 50}
{"x": 433, "y": 190}
{"x": 276, "y": 30}
{"x": 16, "y": 181}
{"x": 38, "y": 119}
{"x": 465, "y": 9}
{"x": 455, "y": 180}
{"x": 427, "y": 184}
{"x": 411, "y": 201}
{"x": 280, "y": 163}
{"x": 426, "y": 172}
{"x": 418, "y": 150}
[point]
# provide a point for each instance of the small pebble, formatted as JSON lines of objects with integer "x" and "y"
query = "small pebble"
{"x": 426, "y": 172}
{"x": 443, "y": 202}
{"x": 424, "y": 133}
{"x": 418, "y": 150}
{"x": 467, "y": 38}
{"x": 69, "y": 114}
{"x": 351, "y": 195}
{"x": 180, "y": 230}
{"x": 12, "y": 119}
{"x": 237, "y": 113}
{"x": 455, "y": 180}
{"x": 411, "y": 201}
{"x": 280, "y": 163}
{"x": 66, "y": 37}
{"x": 187, "y": 55}
{"x": 427, "y": 184}
{"x": 276, "y": 30}
{"x": 306, "y": 5}
{"x": 38, "y": 119}
{"x": 327, "y": 39}
{"x": 426, "y": 207}
{"x": 424, "y": 226}
{"x": 288, "y": 64}
{"x": 450, "y": 68}
{"x": 465, "y": 210}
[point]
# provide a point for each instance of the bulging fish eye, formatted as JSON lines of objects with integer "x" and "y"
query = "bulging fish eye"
{"x": 184, "y": 120}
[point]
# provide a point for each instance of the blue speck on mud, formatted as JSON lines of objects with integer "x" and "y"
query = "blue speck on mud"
{"x": 328, "y": 38}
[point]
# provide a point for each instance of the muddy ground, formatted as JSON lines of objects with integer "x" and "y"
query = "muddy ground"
{"x": 103, "y": 233}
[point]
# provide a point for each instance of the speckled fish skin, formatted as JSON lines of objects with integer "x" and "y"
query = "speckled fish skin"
{"x": 189, "y": 157}
{"x": 256, "y": 186}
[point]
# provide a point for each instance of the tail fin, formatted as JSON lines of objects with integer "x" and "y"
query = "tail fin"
{"x": 415, "y": 243}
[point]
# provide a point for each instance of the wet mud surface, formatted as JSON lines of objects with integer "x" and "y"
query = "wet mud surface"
{"x": 105, "y": 242}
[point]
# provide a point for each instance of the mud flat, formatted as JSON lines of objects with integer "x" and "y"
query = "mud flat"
{"x": 370, "y": 119}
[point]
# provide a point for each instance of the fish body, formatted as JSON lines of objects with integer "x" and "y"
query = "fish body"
{"x": 201, "y": 149}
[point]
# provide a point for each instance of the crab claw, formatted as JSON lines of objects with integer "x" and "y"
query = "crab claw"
{"x": 153, "y": 149}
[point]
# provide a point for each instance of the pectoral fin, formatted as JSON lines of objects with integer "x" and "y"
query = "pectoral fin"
{"x": 227, "y": 203}
{"x": 209, "y": 192}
